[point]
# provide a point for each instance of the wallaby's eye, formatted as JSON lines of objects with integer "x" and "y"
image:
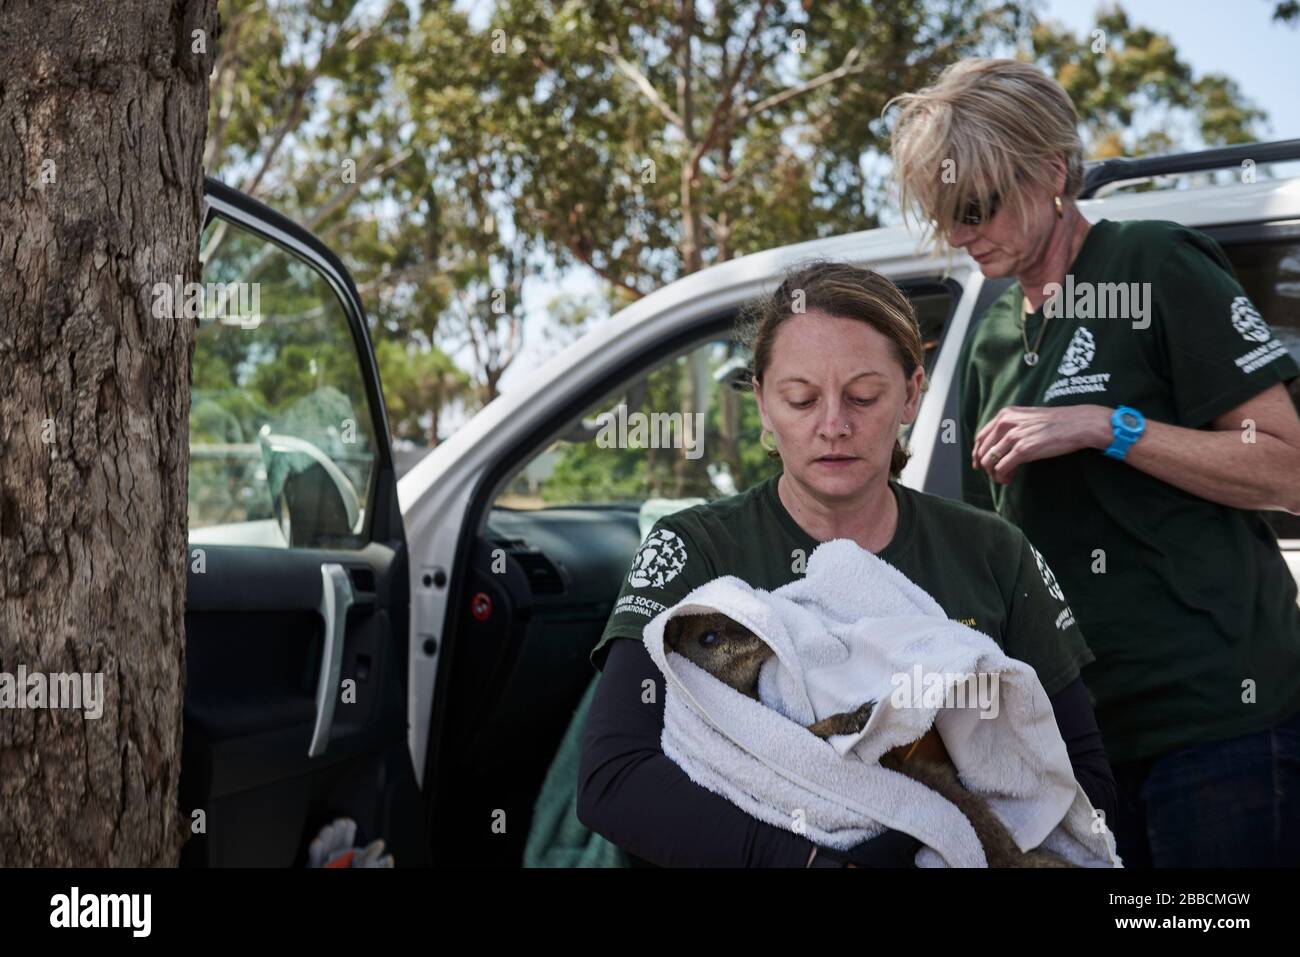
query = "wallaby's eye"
{"x": 708, "y": 638}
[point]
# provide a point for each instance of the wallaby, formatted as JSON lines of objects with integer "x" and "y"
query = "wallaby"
{"x": 734, "y": 655}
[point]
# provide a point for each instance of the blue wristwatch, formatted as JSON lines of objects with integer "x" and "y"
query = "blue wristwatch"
{"x": 1128, "y": 425}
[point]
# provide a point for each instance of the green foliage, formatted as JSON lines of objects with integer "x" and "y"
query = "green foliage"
{"x": 418, "y": 384}
{"x": 755, "y": 142}
{"x": 1135, "y": 95}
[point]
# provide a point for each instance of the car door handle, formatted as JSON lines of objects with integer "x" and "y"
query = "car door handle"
{"x": 335, "y": 600}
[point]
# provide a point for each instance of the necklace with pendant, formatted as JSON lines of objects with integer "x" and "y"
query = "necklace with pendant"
{"x": 1031, "y": 355}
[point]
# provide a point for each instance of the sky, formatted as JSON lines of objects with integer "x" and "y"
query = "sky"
{"x": 1235, "y": 37}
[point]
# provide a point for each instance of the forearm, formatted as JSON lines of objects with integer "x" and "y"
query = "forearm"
{"x": 1240, "y": 467}
{"x": 1077, "y": 724}
{"x": 635, "y": 796}
{"x": 1246, "y": 460}
{"x": 1221, "y": 467}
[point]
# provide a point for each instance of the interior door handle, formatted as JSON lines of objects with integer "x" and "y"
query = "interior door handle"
{"x": 335, "y": 600}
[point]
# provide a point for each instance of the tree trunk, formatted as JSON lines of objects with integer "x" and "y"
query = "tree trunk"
{"x": 104, "y": 112}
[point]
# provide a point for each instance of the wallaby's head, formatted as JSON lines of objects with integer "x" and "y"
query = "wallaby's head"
{"x": 721, "y": 646}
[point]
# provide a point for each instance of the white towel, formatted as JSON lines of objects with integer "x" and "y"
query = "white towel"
{"x": 845, "y": 633}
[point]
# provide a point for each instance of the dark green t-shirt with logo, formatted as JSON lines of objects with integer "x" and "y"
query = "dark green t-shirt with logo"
{"x": 1188, "y": 605}
{"x": 981, "y": 570}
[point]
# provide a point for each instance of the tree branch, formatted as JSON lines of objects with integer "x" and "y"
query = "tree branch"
{"x": 728, "y": 90}
{"x": 644, "y": 85}
{"x": 368, "y": 172}
{"x": 584, "y": 257}
{"x": 282, "y": 131}
{"x": 849, "y": 67}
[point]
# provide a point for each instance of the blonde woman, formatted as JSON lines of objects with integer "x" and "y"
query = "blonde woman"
{"x": 837, "y": 369}
{"x": 1116, "y": 444}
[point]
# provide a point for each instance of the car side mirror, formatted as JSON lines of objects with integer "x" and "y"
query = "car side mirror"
{"x": 315, "y": 504}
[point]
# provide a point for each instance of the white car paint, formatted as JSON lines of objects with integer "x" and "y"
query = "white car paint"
{"x": 435, "y": 494}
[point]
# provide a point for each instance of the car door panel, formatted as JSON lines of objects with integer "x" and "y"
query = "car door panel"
{"x": 262, "y": 769}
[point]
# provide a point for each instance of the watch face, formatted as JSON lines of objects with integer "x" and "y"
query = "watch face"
{"x": 1130, "y": 420}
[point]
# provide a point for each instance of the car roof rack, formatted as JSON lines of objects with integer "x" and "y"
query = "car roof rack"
{"x": 1097, "y": 175}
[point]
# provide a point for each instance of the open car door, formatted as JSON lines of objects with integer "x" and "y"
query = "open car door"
{"x": 296, "y": 621}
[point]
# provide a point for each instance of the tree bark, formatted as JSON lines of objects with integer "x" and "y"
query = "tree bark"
{"x": 104, "y": 113}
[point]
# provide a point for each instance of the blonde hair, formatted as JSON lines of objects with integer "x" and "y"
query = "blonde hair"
{"x": 983, "y": 129}
{"x": 844, "y": 291}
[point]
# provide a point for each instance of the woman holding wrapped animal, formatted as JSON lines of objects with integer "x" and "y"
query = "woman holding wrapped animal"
{"x": 837, "y": 370}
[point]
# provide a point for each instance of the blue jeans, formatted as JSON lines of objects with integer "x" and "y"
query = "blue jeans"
{"x": 1232, "y": 803}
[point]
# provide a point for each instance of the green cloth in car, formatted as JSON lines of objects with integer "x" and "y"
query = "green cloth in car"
{"x": 556, "y": 837}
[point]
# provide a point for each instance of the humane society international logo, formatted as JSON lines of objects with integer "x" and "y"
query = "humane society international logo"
{"x": 659, "y": 560}
{"x": 1248, "y": 322}
{"x": 1078, "y": 357}
{"x": 1066, "y": 617}
{"x": 1079, "y": 353}
{"x": 1250, "y": 325}
{"x": 1049, "y": 579}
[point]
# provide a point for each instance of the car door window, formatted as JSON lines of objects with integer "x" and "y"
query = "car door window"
{"x": 282, "y": 445}
{"x": 685, "y": 432}
{"x": 933, "y": 305}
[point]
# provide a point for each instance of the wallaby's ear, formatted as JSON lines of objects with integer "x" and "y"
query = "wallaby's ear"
{"x": 672, "y": 631}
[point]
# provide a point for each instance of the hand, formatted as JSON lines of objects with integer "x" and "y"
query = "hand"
{"x": 1020, "y": 434}
{"x": 890, "y": 849}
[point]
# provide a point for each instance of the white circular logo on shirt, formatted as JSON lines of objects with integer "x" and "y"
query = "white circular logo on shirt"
{"x": 659, "y": 560}
{"x": 1053, "y": 588}
{"x": 1078, "y": 353}
{"x": 1247, "y": 320}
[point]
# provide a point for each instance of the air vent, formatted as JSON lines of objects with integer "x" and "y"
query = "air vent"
{"x": 543, "y": 577}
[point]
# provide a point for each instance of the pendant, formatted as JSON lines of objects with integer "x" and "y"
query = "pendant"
{"x": 1031, "y": 358}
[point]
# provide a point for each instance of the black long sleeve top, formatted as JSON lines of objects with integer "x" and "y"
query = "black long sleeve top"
{"x": 635, "y": 796}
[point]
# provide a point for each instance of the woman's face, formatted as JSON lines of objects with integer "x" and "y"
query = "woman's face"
{"x": 1007, "y": 245}
{"x": 835, "y": 396}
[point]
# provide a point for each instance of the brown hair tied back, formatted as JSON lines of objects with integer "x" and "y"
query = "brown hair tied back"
{"x": 845, "y": 291}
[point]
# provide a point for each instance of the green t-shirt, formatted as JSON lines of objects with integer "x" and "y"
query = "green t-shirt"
{"x": 1183, "y": 601}
{"x": 982, "y": 571}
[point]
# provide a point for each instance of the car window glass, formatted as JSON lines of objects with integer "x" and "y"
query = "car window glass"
{"x": 686, "y": 432}
{"x": 282, "y": 448}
